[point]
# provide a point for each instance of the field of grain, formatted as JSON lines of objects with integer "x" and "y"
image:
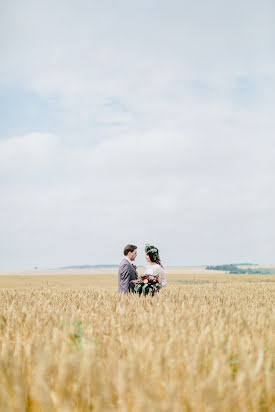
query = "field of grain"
{"x": 70, "y": 342}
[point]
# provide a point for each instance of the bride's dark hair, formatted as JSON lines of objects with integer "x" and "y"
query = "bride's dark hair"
{"x": 153, "y": 254}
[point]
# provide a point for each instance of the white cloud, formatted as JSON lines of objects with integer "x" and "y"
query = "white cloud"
{"x": 30, "y": 150}
{"x": 165, "y": 131}
{"x": 111, "y": 193}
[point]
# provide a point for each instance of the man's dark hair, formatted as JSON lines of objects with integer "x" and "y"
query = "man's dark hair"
{"x": 129, "y": 248}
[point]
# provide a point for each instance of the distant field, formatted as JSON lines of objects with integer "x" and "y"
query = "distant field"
{"x": 70, "y": 342}
{"x": 107, "y": 278}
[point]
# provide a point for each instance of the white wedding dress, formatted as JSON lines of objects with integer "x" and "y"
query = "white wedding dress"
{"x": 156, "y": 270}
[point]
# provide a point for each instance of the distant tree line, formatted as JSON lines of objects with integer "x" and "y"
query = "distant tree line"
{"x": 234, "y": 269}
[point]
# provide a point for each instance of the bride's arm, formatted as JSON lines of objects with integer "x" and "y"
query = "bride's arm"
{"x": 157, "y": 274}
{"x": 161, "y": 276}
{"x": 163, "y": 279}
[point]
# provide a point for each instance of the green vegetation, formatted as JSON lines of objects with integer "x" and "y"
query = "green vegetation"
{"x": 234, "y": 269}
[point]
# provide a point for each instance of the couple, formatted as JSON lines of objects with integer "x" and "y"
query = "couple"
{"x": 127, "y": 274}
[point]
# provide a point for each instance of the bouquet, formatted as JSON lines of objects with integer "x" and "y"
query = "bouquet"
{"x": 147, "y": 284}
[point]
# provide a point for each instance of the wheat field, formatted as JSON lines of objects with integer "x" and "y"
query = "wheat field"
{"x": 72, "y": 343}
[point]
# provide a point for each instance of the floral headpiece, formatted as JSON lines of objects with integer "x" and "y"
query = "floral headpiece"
{"x": 153, "y": 252}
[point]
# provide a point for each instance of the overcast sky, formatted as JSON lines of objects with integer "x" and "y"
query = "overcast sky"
{"x": 136, "y": 121}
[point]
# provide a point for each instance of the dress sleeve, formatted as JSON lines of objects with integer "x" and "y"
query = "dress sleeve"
{"x": 160, "y": 273}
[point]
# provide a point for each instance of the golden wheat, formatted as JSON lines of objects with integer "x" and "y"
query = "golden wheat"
{"x": 194, "y": 347}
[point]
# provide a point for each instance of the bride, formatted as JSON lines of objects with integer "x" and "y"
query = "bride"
{"x": 154, "y": 267}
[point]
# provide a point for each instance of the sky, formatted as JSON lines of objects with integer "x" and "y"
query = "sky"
{"x": 136, "y": 122}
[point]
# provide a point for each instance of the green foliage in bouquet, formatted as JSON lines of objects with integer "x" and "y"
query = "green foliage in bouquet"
{"x": 147, "y": 285}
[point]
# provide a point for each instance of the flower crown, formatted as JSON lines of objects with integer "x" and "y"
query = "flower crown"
{"x": 152, "y": 249}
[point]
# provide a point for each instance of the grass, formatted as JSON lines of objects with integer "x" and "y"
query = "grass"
{"x": 71, "y": 343}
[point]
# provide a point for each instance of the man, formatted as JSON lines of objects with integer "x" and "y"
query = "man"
{"x": 127, "y": 271}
